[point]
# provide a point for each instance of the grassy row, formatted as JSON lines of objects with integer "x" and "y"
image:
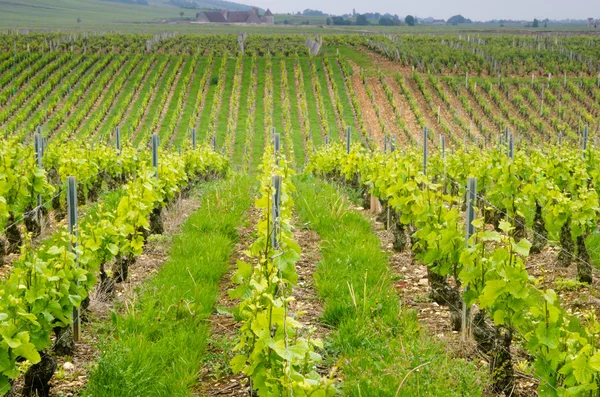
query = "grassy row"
{"x": 171, "y": 116}
{"x": 193, "y": 101}
{"x": 241, "y": 132}
{"x": 124, "y": 100}
{"x": 314, "y": 118}
{"x": 223, "y": 115}
{"x": 204, "y": 117}
{"x": 154, "y": 348}
{"x": 259, "y": 123}
{"x": 138, "y": 109}
{"x": 378, "y": 342}
{"x": 319, "y": 75}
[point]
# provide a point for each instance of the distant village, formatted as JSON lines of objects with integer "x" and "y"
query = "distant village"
{"x": 253, "y": 16}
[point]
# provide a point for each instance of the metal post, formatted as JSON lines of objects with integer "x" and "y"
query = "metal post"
{"x": 214, "y": 143}
{"x": 155, "y": 153}
{"x": 443, "y": 145}
{"x": 118, "y": 133}
{"x": 194, "y": 138}
{"x": 38, "y": 145}
{"x": 276, "y": 209}
{"x": 327, "y": 139}
{"x": 385, "y": 141}
{"x": 585, "y": 140}
{"x": 348, "y": 139}
{"x": 511, "y": 147}
{"x": 425, "y": 150}
{"x": 277, "y": 147}
{"x": 470, "y": 230}
{"x": 73, "y": 232}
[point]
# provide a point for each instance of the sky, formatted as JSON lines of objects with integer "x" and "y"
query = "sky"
{"x": 473, "y": 9}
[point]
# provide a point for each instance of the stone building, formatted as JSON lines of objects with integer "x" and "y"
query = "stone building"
{"x": 250, "y": 17}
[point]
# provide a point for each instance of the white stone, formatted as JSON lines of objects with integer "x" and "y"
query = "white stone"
{"x": 68, "y": 366}
{"x": 423, "y": 281}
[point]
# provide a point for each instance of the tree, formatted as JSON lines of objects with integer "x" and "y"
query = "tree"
{"x": 361, "y": 20}
{"x": 410, "y": 20}
{"x": 182, "y": 14}
{"x": 340, "y": 21}
{"x": 386, "y": 22}
{"x": 328, "y": 21}
{"x": 536, "y": 23}
{"x": 458, "y": 19}
{"x": 313, "y": 13}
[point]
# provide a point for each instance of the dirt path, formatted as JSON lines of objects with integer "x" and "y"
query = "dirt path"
{"x": 445, "y": 114}
{"x": 414, "y": 128}
{"x": 424, "y": 107}
{"x": 387, "y": 111}
{"x": 367, "y": 107}
{"x": 479, "y": 112}
{"x": 456, "y": 104}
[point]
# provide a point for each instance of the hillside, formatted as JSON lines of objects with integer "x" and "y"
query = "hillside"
{"x": 94, "y": 14}
{"x": 201, "y": 4}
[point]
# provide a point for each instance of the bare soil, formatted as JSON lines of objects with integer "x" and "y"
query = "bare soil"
{"x": 366, "y": 106}
{"x": 409, "y": 118}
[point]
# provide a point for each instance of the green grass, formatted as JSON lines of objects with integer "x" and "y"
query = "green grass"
{"x": 84, "y": 99}
{"x": 127, "y": 129}
{"x": 240, "y": 132}
{"x": 223, "y": 115}
{"x": 127, "y": 87}
{"x": 278, "y": 105}
{"x": 85, "y": 130}
{"x": 259, "y": 126}
{"x": 311, "y": 101}
{"x": 348, "y": 114}
{"x": 298, "y": 137}
{"x": 350, "y": 53}
{"x": 180, "y": 90}
{"x": 75, "y": 68}
{"x": 188, "y": 106}
{"x": 377, "y": 340}
{"x": 329, "y": 111}
{"x": 154, "y": 106}
{"x": 204, "y": 117}
{"x": 154, "y": 348}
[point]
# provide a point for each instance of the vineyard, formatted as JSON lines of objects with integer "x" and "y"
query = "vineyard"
{"x": 268, "y": 215}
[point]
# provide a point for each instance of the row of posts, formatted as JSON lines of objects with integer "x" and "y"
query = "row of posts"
{"x": 40, "y": 143}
